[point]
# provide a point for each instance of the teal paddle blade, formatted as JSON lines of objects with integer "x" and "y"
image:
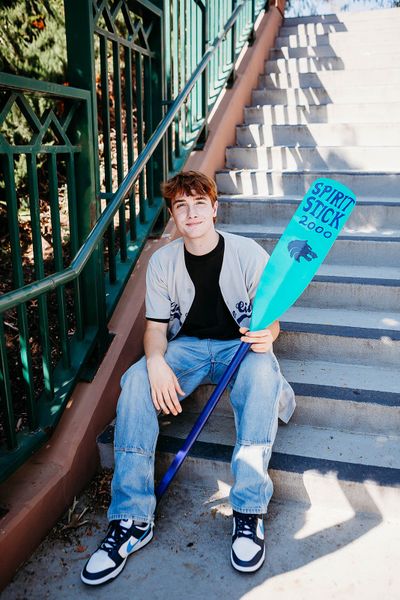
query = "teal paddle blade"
{"x": 302, "y": 248}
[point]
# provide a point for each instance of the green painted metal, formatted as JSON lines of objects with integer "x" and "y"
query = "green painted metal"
{"x": 5, "y": 382}
{"x": 39, "y": 271}
{"x": 143, "y": 77}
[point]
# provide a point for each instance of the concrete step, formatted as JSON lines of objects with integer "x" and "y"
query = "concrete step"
{"x": 348, "y": 248}
{"x": 320, "y": 157}
{"x": 346, "y": 317}
{"x": 376, "y": 17}
{"x": 266, "y": 182}
{"x": 320, "y": 134}
{"x": 351, "y": 113}
{"x": 378, "y": 217}
{"x": 348, "y": 397}
{"x": 344, "y": 293}
{"x": 304, "y": 47}
{"x": 338, "y": 41}
{"x": 329, "y": 63}
{"x": 328, "y": 79}
{"x": 365, "y": 274}
{"x": 308, "y": 464}
{"x": 369, "y": 345}
{"x": 320, "y": 95}
{"x": 350, "y": 28}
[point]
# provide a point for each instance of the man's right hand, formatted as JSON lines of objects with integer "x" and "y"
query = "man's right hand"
{"x": 164, "y": 386}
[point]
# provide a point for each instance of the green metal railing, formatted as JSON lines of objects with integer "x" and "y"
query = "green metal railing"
{"x": 142, "y": 81}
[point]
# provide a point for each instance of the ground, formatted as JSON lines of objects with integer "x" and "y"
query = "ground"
{"x": 311, "y": 553}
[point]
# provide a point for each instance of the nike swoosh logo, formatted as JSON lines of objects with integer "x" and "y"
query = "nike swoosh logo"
{"x": 130, "y": 546}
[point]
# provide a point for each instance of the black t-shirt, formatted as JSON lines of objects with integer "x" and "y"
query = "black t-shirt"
{"x": 208, "y": 317}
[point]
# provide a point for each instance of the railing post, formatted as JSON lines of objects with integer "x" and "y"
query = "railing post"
{"x": 252, "y": 36}
{"x": 205, "y": 78}
{"x": 158, "y": 85}
{"x": 81, "y": 74}
{"x": 232, "y": 76}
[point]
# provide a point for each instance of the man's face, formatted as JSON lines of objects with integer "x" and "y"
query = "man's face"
{"x": 193, "y": 215}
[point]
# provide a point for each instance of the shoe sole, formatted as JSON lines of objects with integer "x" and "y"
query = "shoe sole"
{"x": 117, "y": 571}
{"x": 248, "y": 569}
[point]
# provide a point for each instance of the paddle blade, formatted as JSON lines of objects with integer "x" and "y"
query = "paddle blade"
{"x": 301, "y": 250}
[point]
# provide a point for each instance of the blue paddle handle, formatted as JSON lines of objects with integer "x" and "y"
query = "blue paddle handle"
{"x": 202, "y": 419}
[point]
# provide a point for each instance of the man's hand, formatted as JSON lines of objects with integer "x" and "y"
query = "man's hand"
{"x": 261, "y": 341}
{"x": 164, "y": 386}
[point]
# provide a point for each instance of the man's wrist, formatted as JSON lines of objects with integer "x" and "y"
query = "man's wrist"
{"x": 155, "y": 358}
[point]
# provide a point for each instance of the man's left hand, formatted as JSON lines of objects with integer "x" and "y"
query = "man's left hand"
{"x": 261, "y": 341}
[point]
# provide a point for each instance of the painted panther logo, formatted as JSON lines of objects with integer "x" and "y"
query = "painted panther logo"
{"x": 301, "y": 249}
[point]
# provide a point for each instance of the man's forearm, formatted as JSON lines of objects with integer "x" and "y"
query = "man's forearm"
{"x": 155, "y": 344}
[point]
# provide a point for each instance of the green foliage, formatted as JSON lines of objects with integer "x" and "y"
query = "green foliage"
{"x": 33, "y": 44}
{"x": 32, "y": 39}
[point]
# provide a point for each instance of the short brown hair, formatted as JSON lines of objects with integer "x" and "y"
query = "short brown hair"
{"x": 189, "y": 182}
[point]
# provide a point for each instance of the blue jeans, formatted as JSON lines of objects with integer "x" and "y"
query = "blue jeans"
{"x": 257, "y": 393}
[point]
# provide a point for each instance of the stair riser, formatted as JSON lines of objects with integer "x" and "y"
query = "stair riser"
{"x": 283, "y": 158}
{"x": 326, "y": 113}
{"x": 350, "y": 295}
{"x": 312, "y": 48}
{"x": 317, "y": 411}
{"x": 362, "y": 417}
{"x": 330, "y": 79}
{"x": 340, "y": 95}
{"x": 363, "y": 134}
{"x": 350, "y": 350}
{"x": 311, "y": 488}
{"x": 276, "y": 184}
{"x": 306, "y": 65}
{"x": 362, "y": 219}
{"x": 354, "y": 252}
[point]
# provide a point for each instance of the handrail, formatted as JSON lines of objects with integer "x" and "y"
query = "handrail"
{"x": 27, "y": 84}
{"x": 51, "y": 282}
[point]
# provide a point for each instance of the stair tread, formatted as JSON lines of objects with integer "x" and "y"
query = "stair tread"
{"x": 312, "y": 126}
{"x": 347, "y": 107}
{"x": 342, "y": 17}
{"x": 257, "y": 230}
{"x": 361, "y": 89}
{"x": 310, "y": 171}
{"x": 386, "y": 102}
{"x": 343, "y": 317}
{"x": 316, "y": 147}
{"x": 341, "y": 375}
{"x": 299, "y": 440}
{"x": 360, "y": 272}
{"x": 316, "y": 59}
{"x": 293, "y": 199}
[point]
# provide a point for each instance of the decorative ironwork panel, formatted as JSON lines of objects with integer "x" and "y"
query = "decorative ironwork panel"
{"x": 41, "y": 153}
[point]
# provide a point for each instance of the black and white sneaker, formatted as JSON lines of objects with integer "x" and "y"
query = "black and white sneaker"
{"x": 123, "y": 538}
{"x": 248, "y": 549}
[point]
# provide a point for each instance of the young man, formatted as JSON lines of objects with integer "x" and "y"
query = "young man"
{"x": 199, "y": 296}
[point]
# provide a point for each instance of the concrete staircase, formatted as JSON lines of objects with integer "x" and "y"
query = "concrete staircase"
{"x": 328, "y": 104}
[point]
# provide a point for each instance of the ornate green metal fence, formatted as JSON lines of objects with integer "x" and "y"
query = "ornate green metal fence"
{"x": 142, "y": 79}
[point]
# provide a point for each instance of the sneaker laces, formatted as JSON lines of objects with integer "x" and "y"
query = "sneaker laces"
{"x": 115, "y": 535}
{"x": 246, "y": 525}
